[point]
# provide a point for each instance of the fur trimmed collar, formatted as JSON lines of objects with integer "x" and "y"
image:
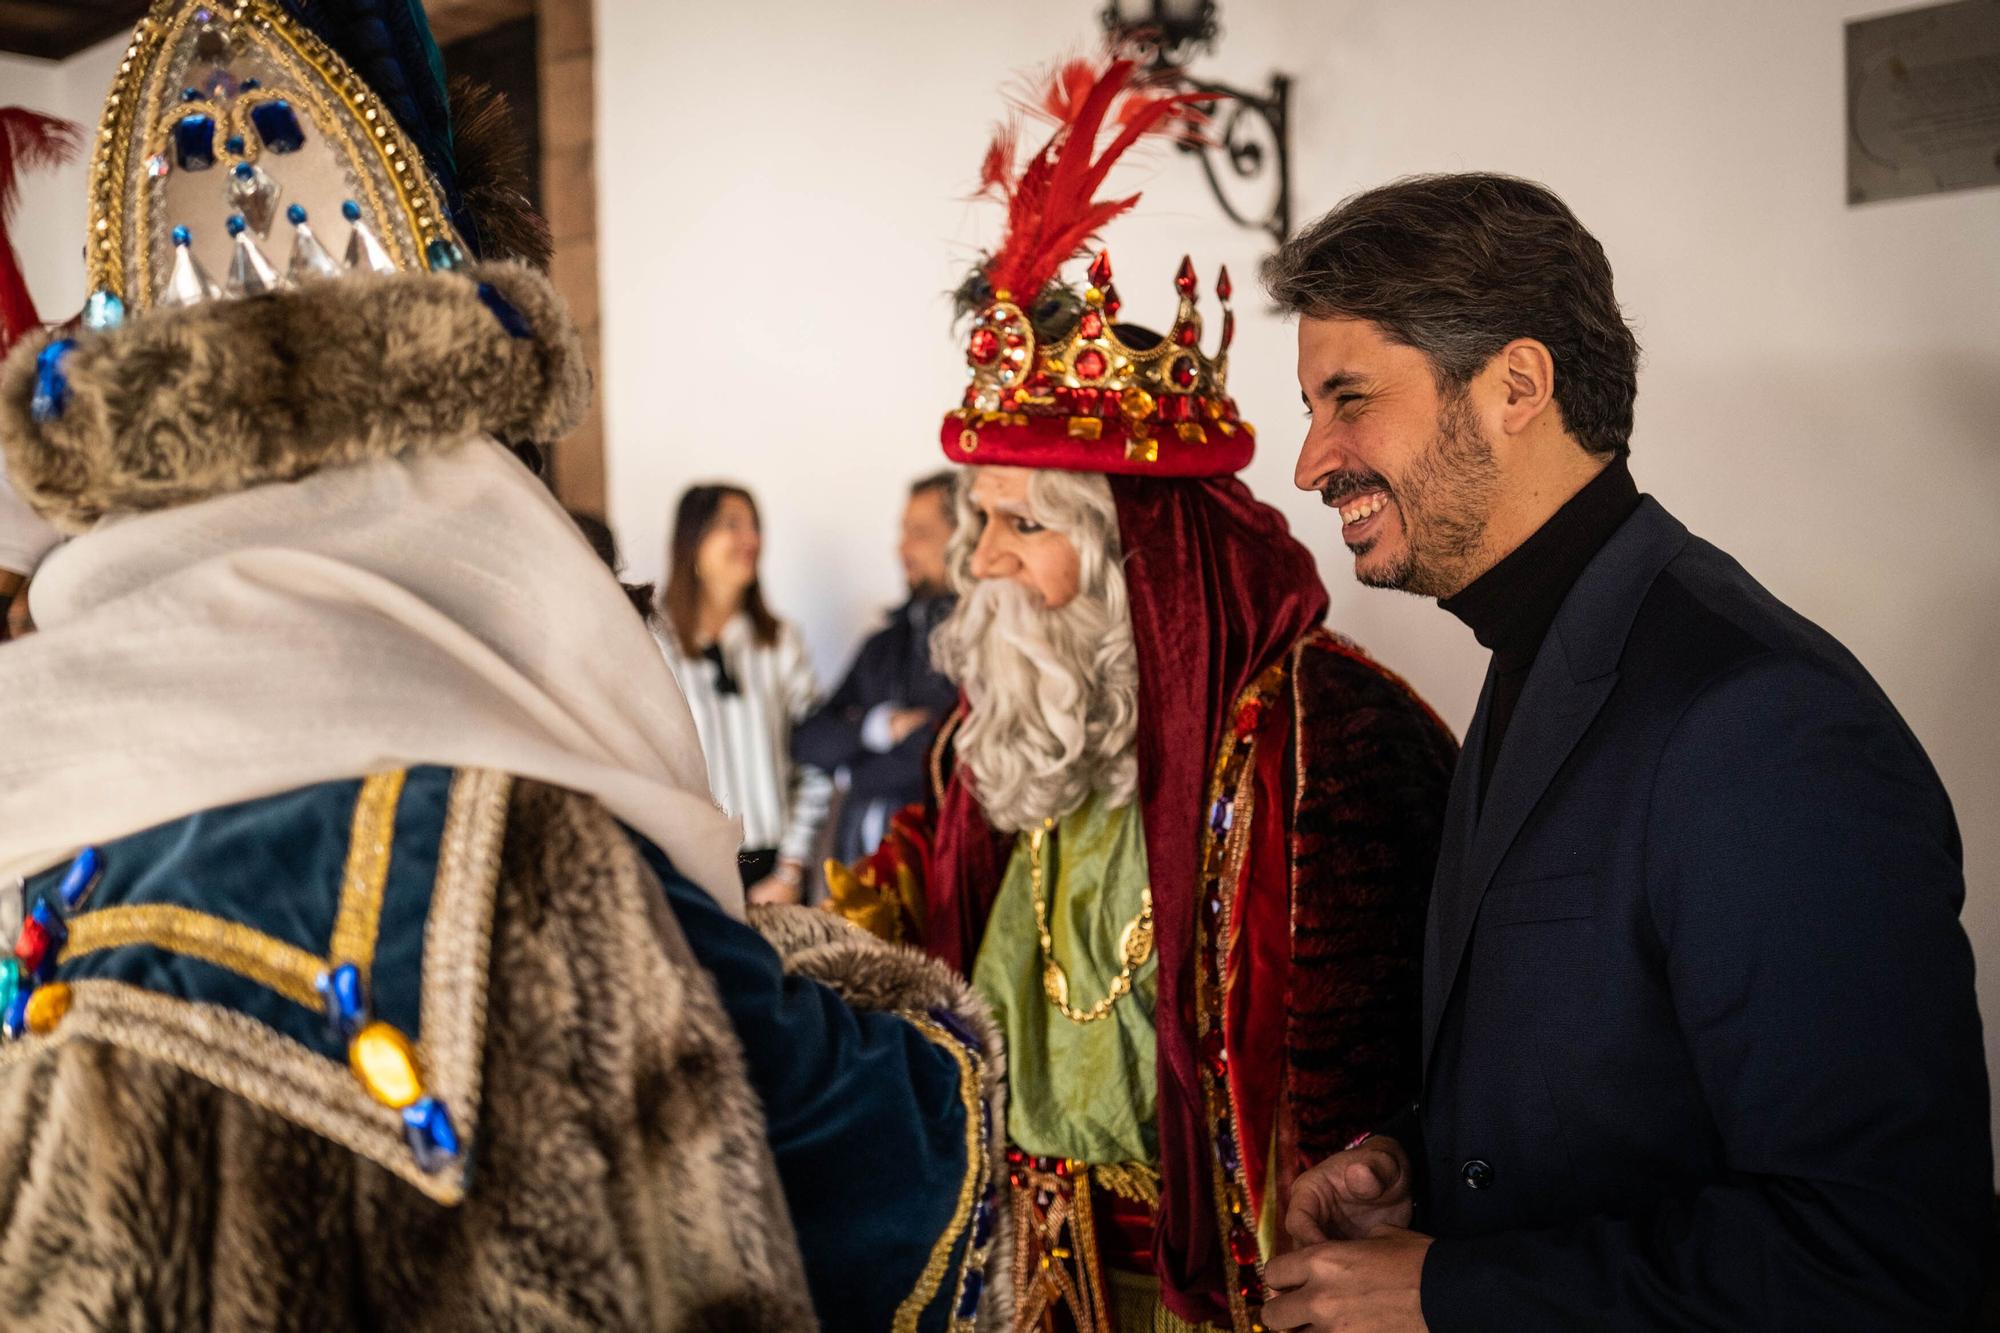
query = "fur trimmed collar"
{"x": 180, "y": 405}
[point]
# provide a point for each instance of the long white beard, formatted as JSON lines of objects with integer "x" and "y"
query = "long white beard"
{"x": 1054, "y": 701}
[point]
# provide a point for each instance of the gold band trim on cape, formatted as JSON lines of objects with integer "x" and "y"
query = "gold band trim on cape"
{"x": 270, "y": 962}
{"x": 251, "y": 953}
{"x": 366, "y": 877}
{"x": 913, "y": 1306}
{"x": 242, "y": 1055}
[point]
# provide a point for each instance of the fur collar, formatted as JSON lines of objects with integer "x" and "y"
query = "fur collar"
{"x": 179, "y": 405}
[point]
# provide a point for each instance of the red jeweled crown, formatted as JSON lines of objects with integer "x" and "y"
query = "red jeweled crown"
{"x": 1055, "y": 381}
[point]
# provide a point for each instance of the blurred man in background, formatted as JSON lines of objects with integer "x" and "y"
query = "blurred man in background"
{"x": 878, "y": 725}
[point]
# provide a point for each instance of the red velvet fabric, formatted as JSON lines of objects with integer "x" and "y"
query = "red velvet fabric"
{"x": 1219, "y": 589}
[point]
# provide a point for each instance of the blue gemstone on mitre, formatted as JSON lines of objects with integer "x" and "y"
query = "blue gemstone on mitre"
{"x": 512, "y": 320}
{"x": 194, "y": 142}
{"x": 427, "y": 1128}
{"x": 346, "y": 1000}
{"x": 15, "y": 1025}
{"x": 76, "y": 881}
{"x": 103, "y": 311}
{"x": 278, "y": 126}
{"x": 235, "y": 145}
{"x": 51, "y": 384}
{"x": 443, "y": 256}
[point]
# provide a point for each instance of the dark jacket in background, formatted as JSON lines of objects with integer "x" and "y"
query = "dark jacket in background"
{"x": 893, "y": 668}
{"x": 1701, "y": 1041}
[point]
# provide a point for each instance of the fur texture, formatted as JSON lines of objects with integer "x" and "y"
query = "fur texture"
{"x": 871, "y": 974}
{"x": 1374, "y": 770}
{"x": 182, "y": 404}
{"x": 621, "y": 1176}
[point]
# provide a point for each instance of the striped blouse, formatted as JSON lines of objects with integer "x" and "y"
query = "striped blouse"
{"x": 746, "y": 735}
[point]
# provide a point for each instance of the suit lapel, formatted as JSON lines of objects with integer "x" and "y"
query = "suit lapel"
{"x": 1461, "y": 823}
{"x": 1572, "y": 677}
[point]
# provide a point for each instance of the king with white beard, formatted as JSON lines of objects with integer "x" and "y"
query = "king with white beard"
{"x": 1178, "y": 834}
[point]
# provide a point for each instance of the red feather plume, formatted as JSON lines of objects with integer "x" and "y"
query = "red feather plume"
{"x": 1051, "y": 209}
{"x": 28, "y": 141}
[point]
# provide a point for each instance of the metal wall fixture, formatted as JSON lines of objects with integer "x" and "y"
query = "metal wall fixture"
{"x": 1250, "y": 140}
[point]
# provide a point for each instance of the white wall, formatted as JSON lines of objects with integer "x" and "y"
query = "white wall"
{"x": 48, "y": 227}
{"x": 783, "y": 208}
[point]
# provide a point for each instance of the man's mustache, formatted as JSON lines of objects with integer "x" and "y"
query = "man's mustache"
{"x": 1341, "y": 487}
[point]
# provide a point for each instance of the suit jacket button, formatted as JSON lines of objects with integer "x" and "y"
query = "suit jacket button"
{"x": 1477, "y": 1174}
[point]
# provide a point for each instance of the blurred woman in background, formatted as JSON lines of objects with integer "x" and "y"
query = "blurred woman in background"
{"x": 748, "y": 681}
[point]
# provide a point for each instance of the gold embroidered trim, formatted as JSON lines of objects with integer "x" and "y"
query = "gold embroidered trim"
{"x": 271, "y": 963}
{"x": 938, "y": 746}
{"x": 367, "y": 875}
{"x": 458, "y": 939}
{"x": 919, "y": 1299}
{"x": 244, "y": 1056}
{"x": 1130, "y": 1180}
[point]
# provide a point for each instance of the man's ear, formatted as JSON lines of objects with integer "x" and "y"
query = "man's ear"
{"x": 1527, "y": 379}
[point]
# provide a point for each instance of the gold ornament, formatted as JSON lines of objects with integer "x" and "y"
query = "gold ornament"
{"x": 47, "y": 1006}
{"x": 1135, "y": 943}
{"x": 386, "y": 1064}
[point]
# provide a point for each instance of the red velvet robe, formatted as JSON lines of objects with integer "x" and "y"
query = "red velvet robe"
{"x": 1287, "y": 1011}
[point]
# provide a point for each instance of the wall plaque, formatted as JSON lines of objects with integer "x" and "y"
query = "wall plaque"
{"x": 1923, "y": 101}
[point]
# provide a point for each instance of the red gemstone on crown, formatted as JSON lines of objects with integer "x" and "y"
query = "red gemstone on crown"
{"x": 1100, "y": 269}
{"x": 1228, "y": 328}
{"x": 1223, "y": 288}
{"x": 985, "y": 346}
{"x": 1184, "y": 281}
{"x": 1091, "y": 325}
{"x": 1187, "y": 335}
{"x": 1182, "y": 372}
{"x": 1112, "y": 305}
{"x": 1090, "y": 365}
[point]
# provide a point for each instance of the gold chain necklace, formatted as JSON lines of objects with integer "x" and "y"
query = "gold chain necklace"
{"x": 1135, "y": 943}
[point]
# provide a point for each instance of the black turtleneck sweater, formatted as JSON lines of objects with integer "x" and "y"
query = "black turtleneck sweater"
{"x": 1510, "y": 607}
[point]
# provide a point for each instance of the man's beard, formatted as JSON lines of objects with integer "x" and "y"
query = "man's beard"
{"x": 1443, "y": 501}
{"x": 1054, "y": 701}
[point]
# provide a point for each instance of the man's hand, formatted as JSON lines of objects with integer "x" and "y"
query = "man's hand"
{"x": 904, "y": 722}
{"x": 1352, "y": 1193}
{"x": 786, "y": 884}
{"x": 1354, "y": 1286}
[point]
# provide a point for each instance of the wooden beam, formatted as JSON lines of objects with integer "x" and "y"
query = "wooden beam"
{"x": 57, "y": 29}
{"x": 455, "y": 20}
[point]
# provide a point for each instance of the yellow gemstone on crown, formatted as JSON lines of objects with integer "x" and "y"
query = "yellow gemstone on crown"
{"x": 385, "y": 1062}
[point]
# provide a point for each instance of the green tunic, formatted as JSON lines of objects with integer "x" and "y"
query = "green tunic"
{"x": 1085, "y": 1091}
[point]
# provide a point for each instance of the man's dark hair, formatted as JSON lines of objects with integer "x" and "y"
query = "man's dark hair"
{"x": 944, "y": 485}
{"x": 1458, "y": 266}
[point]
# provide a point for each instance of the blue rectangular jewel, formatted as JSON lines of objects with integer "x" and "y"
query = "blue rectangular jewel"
{"x": 194, "y": 141}
{"x": 278, "y": 126}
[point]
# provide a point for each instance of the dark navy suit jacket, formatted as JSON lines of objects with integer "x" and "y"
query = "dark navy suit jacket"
{"x": 1700, "y": 1036}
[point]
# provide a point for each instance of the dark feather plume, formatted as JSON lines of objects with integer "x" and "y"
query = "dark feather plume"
{"x": 493, "y": 174}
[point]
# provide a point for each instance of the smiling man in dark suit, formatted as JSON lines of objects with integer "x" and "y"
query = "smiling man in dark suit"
{"x": 1699, "y": 1031}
